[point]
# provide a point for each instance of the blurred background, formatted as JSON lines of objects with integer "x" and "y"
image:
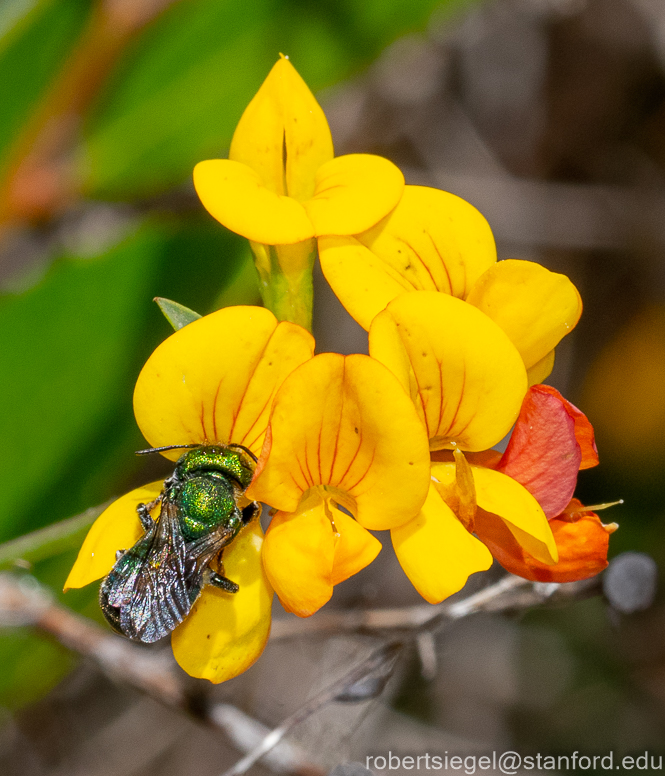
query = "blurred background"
{"x": 547, "y": 115}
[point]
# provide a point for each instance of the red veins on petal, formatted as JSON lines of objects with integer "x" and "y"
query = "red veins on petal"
{"x": 582, "y": 544}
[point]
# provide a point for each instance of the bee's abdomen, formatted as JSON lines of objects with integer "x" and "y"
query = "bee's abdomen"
{"x": 205, "y": 503}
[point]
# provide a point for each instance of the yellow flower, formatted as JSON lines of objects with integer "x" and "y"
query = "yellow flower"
{"x": 435, "y": 241}
{"x": 281, "y": 187}
{"x": 342, "y": 434}
{"x": 211, "y": 382}
{"x": 467, "y": 381}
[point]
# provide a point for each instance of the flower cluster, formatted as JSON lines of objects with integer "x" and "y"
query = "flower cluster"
{"x": 399, "y": 440}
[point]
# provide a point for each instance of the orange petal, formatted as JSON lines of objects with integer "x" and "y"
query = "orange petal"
{"x": 432, "y": 241}
{"x": 582, "y": 548}
{"x": 464, "y": 374}
{"x": 345, "y": 422}
{"x": 298, "y": 556}
{"x": 226, "y": 632}
{"x": 235, "y": 195}
{"x": 584, "y": 433}
{"x": 117, "y": 528}
{"x": 214, "y": 380}
{"x": 535, "y": 307}
{"x": 355, "y": 547}
{"x": 352, "y": 193}
{"x": 436, "y": 552}
{"x": 283, "y": 134}
{"x": 543, "y": 453}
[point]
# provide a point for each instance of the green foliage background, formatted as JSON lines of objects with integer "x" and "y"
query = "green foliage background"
{"x": 73, "y": 340}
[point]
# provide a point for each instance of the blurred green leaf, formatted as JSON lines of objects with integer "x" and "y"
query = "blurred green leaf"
{"x": 177, "y": 97}
{"x": 64, "y": 344}
{"x": 70, "y": 350}
{"x": 31, "y": 51}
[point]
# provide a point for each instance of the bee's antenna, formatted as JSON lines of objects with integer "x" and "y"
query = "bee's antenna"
{"x": 162, "y": 449}
{"x": 247, "y": 450}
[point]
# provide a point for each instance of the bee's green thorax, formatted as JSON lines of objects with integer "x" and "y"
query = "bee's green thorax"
{"x": 226, "y": 460}
{"x": 206, "y": 502}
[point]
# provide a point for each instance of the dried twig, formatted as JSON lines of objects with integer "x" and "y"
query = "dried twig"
{"x": 49, "y": 541}
{"x": 24, "y": 602}
{"x": 507, "y": 594}
{"x": 377, "y": 660}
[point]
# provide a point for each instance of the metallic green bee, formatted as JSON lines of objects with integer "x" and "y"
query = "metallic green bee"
{"x": 154, "y": 584}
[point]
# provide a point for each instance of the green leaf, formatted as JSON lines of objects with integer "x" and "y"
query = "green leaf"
{"x": 70, "y": 351}
{"x": 31, "y": 51}
{"x": 176, "y": 314}
{"x": 177, "y": 97}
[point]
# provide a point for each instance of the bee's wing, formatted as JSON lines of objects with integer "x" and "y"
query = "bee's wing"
{"x": 150, "y": 584}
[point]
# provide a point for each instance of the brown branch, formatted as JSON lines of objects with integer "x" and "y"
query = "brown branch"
{"x": 507, "y": 594}
{"x": 381, "y": 659}
{"x": 24, "y": 602}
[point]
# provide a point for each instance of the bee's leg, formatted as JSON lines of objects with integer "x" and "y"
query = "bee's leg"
{"x": 220, "y": 581}
{"x": 143, "y": 511}
{"x": 250, "y": 512}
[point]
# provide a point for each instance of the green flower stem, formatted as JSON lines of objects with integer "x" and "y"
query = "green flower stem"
{"x": 285, "y": 273}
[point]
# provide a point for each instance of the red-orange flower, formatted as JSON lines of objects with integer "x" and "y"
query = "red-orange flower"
{"x": 552, "y": 440}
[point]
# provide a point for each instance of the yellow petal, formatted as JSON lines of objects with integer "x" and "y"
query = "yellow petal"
{"x": 352, "y": 193}
{"x": 226, "y": 632}
{"x": 503, "y": 496}
{"x": 355, "y": 547}
{"x": 298, "y": 556}
{"x": 362, "y": 281}
{"x": 432, "y": 241}
{"x": 117, "y": 528}
{"x": 214, "y": 380}
{"x": 345, "y": 422}
{"x": 436, "y": 552}
{"x": 235, "y": 195}
{"x": 535, "y": 307}
{"x": 541, "y": 369}
{"x": 283, "y": 134}
{"x": 465, "y": 376}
